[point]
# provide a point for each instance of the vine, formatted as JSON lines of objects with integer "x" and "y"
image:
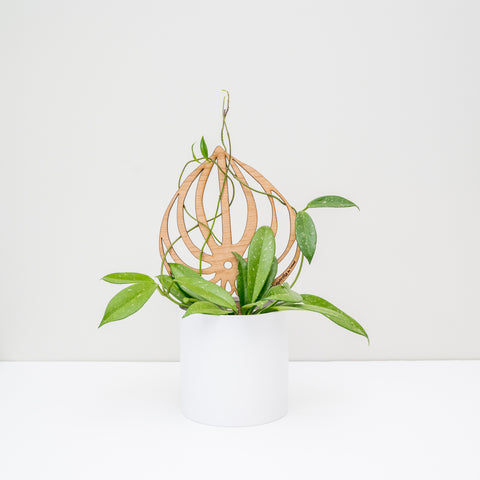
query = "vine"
{"x": 228, "y": 176}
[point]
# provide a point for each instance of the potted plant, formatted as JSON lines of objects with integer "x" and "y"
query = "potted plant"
{"x": 234, "y": 301}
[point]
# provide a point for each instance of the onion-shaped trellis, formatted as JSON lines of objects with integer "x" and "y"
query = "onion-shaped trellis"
{"x": 219, "y": 260}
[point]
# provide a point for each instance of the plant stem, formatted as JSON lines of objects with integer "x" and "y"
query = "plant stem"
{"x": 183, "y": 170}
{"x": 299, "y": 270}
{"x": 264, "y": 308}
{"x": 165, "y": 294}
{"x": 224, "y": 125}
{"x": 199, "y": 223}
{"x": 210, "y": 230}
{"x": 248, "y": 186}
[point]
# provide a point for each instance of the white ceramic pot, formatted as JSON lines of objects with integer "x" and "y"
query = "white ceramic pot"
{"x": 234, "y": 368}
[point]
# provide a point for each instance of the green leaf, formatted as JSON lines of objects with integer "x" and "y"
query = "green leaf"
{"x": 208, "y": 291}
{"x": 271, "y": 277}
{"x": 319, "y": 305}
{"x": 203, "y": 148}
{"x": 190, "y": 300}
{"x": 168, "y": 284}
{"x": 331, "y": 201}
{"x": 306, "y": 234}
{"x": 261, "y": 253}
{"x": 179, "y": 270}
{"x": 241, "y": 278}
{"x": 127, "y": 277}
{"x": 283, "y": 293}
{"x": 128, "y": 301}
{"x": 205, "y": 307}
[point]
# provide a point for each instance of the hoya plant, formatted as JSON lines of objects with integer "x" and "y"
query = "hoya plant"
{"x": 255, "y": 284}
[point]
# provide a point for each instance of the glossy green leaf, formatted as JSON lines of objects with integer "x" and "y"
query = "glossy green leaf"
{"x": 183, "y": 271}
{"x": 306, "y": 234}
{"x": 127, "y": 277}
{"x": 271, "y": 277}
{"x": 179, "y": 270}
{"x": 205, "y": 307}
{"x": 260, "y": 257}
{"x": 319, "y": 305}
{"x": 283, "y": 293}
{"x": 331, "y": 201}
{"x": 128, "y": 301}
{"x": 203, "y": 148}
{"x": 168, "y": 284}
{"x": 241, "y": 278}
{"x": 208, "y": 291}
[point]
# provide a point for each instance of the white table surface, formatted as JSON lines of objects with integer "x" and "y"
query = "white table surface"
{"x": 347, "y": 420}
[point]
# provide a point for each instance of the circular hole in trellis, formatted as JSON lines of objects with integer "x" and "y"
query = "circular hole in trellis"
{"x": 228, "y": 265}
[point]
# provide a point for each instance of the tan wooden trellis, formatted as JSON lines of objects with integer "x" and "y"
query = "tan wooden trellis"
{"x": 221, "y": 262}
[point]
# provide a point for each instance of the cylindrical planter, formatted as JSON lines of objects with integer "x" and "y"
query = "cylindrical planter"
{"x": 234, "y": 368}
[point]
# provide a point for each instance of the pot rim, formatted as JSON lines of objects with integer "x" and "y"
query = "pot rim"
{"x": 233, "y": 317}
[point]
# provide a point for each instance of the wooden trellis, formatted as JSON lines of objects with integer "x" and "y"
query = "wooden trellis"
{"x": 220, "y": 261}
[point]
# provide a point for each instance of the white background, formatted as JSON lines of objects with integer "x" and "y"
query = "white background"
{"x": 377, "y": 101}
